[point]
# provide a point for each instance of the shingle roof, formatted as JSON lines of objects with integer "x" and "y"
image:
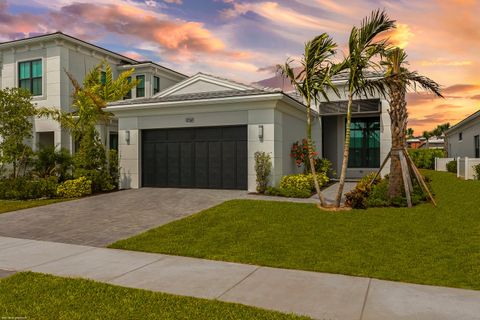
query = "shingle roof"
{"x": 196, "y": 96}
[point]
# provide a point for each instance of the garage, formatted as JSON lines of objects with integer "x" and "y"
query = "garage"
{"x": 201, "y": 157}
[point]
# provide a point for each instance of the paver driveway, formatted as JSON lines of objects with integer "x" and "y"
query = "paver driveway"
{"x": 103, "y": 219}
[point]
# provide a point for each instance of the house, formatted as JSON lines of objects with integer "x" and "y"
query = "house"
{"x": 414, "y": 143}
{"x": 463, "y": 139}
{"x": 39, "y": 64}
{"x": 432, "y": 143}
{"x": 194, "y": 132}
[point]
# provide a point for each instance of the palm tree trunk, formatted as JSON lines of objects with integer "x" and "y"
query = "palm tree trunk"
{"x": 398, "y": 117}
{"x": 310, "y": 156}
{"x": 346, "y": 150}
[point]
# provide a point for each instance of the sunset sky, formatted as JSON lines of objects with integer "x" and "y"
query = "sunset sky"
{"x": 244, "y": 39}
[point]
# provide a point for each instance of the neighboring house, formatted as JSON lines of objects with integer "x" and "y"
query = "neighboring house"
{"x": 432, "y": 143}
{"x": 414, "y": 143}
{"x": 197, "y": 132}
{"x": 38, "y": 64}
{"x": 463, "y": 139}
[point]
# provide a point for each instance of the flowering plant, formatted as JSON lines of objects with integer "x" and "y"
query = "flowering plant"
{"x": 299, "y": 152}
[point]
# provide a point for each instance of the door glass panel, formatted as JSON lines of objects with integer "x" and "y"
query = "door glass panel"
{"x": 364, "y": 143}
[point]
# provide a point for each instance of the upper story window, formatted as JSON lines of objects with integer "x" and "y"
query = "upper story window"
{"x": 156, "y": 85}
{"x": 141, "y": 86}
{"x": 129, "y": 94}
{"x": 30, "y": 76}
{"x": 460, "y": 136}
{"x": 103, "y": 77}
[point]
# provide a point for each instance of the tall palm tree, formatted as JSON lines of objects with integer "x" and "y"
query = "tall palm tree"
{"x": 364, "y": 46}
{"x": 410, "y": 133}
{"x": 311, "y": 80}
{"x": 398, "y": 80}
{"x": 91, "y": 99}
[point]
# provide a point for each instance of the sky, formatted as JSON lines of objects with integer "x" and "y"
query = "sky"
{"x": 244, "y": 39}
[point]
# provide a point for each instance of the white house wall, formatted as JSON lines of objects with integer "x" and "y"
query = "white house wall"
{"x": 200, "y": 86}
{"x": 466, "y": 147}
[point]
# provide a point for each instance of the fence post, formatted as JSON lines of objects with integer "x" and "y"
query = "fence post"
{"x": 436, "y": 163}
{"x": 458, "y": 167}
{"x": 466, "y": 168}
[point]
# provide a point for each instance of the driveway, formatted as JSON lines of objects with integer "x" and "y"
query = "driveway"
{"x": 103, "y": 219}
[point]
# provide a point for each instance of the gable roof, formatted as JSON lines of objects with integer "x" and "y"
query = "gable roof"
{"x": 214, "y": 81}
{"x": 468, "y": 119}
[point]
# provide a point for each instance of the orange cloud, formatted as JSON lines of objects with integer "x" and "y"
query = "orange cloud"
{"x": 400, "y": 36}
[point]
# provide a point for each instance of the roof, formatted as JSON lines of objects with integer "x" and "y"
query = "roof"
{"x": 464, "y": 121}
{"x": 61, "y": 35}
{"x": 195, "y": 96}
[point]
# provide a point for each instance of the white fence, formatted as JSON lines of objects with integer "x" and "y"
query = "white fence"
{"x": 441, "y": 163}
{"x": 465, "y": 166}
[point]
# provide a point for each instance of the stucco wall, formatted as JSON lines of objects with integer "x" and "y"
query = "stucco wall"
{"x": 200, "y": 86}
{"x": 466, "y": 147}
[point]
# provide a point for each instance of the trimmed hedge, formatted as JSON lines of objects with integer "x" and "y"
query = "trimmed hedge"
{"x": 425, "y": 158}
{"x": 452, "y": 166}
{"x": 23, "y": 188}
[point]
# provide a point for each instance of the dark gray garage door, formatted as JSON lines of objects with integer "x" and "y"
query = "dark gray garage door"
{"x": 205, "y": 157}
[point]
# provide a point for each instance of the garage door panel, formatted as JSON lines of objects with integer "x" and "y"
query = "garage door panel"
{"x": 186, "y": 164}
{"x": 201, "y": 164}
{"x": 173, "y": 158}
{"x": 215, "y": 165}
{"x": 228, "y": 164}
{"x": 207, "y": 157}
{"x": 160, "y": 175}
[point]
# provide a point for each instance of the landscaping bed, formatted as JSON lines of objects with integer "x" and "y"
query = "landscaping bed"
{"x": 38, "y": 296}
{"x": 424, "y": 244}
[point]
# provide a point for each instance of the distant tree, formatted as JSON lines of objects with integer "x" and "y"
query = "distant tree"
{"x": 16, "y": 117}
{"x": 410, "y": 133}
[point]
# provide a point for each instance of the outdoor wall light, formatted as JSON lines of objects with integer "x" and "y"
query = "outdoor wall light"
{"x": 127, "y": 136}
{"x": 260, "y": 131}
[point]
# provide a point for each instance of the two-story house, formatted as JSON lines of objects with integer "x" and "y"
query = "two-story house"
{"x": 39, "y": 64}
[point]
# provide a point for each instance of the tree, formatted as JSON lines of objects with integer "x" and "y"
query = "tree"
{"x": 91, "y": 99}
{"x": 16, "y": 113}
{"x": 410, "y": 133}
{"x": 311, "y": 80}
{"x": 399, "y": 80}
{"x": 363, "y": 47}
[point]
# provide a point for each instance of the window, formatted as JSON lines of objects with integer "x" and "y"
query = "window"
{"x": 30, "y": 76}
{"x": 113, "y": 141}
{"x": 156, "y": 85}
{"x": 364, "y": 143}
{"x": 460, "y": 136}
{"x": 476, "y": 141}
{"x": 103, "y": 77}
{"x": 129, "y": 94}
{"x": 141, "y": 86}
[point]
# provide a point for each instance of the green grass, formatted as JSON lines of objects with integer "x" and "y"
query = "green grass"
{"x": 427, "y": 245}
{"x": 13, "y": 205}
{"x": 38, "y": 296}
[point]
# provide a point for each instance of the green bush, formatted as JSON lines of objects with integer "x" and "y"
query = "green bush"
{"x": 114, "y": 167}
{"x": 288, "y": 192}
{"x": 263, "y": 168}
{"x": 425, "y": 158}
{"x": 477, "y": 171}
{"x": 303, "y": 182}
{"x": 452, "y": 166}
{"x": 75, "y": 188}
{"x": 358, "y": 197}
{"x": 23, "y": 188}
{"x": 49, "y": 161}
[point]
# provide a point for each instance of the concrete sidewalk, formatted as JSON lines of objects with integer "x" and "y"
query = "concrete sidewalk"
{"x": 319, "y": 295}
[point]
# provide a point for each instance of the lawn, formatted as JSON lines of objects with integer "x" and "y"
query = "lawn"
{"x": 39, "y": 296}
{"x": 426, "y": 245}
{"x": 12, "y": 205}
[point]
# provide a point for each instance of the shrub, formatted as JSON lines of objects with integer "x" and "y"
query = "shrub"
{"x": 425, "y": 158}
{"x": 23, "y": 188}
{"x": 452, "y": 166}
{"x": 75, "y": 188}
{"x": 288, "y": 192}
{"x": 357, "y": 198}
{"x": 303, "y": 182}
{"x": 263, "y": 168}
{"x": 49, "y": 161}
{"x": 476, "y": 168}
{"x": 114, "y": 168}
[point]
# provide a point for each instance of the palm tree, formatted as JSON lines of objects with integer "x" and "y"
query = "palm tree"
{"x": 91, "y": 99}
{"x": 410, "y": 133}
{"x": 398, "y": 80}
{"x": 312, "y": 80}
{"x": 363, "y": 47}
